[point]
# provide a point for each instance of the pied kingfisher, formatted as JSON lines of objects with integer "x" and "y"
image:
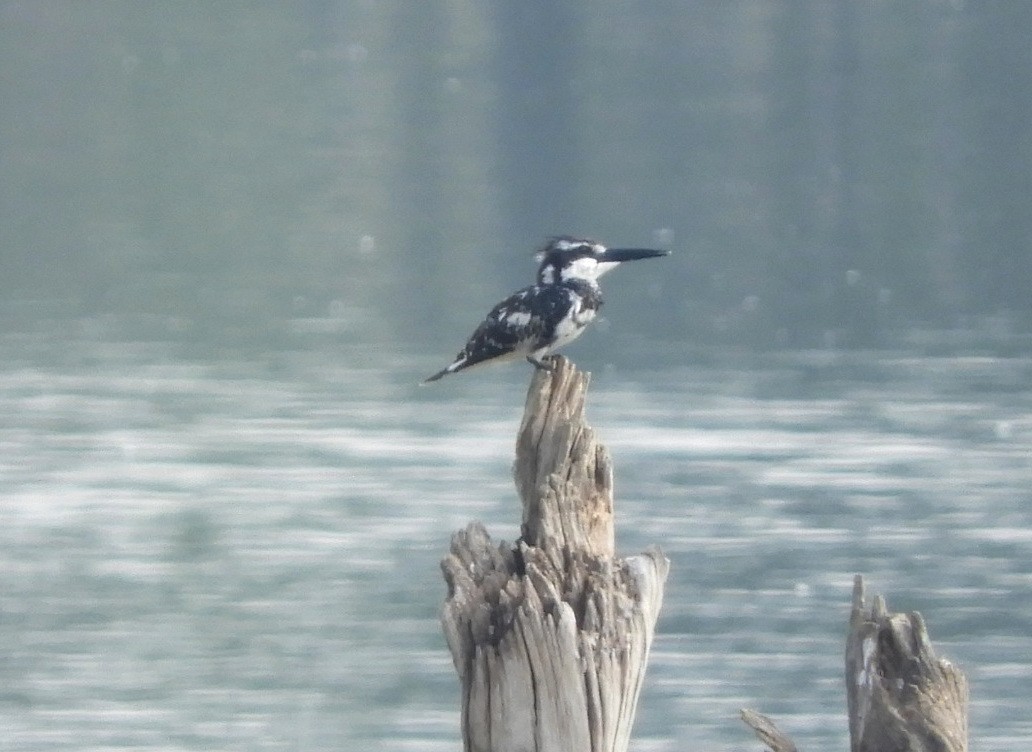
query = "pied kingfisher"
{"x": 538, "y": 320}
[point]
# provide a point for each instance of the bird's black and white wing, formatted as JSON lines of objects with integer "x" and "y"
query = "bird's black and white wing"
{"x": 520, "y": 325}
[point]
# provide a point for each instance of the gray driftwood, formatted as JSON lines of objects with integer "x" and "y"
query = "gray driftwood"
{"x": 550, "y": 636}
{"x": 901, "y": 697}
{"x": 767, "y": 732}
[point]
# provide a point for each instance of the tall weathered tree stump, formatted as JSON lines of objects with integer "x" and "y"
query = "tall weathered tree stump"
{"x": 901, "y": 697}
{"x": 550, "y": 636}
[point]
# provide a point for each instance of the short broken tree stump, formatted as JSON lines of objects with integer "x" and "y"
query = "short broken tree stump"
{"x": 901, "y": 697}
{"x": 551, "y": 636}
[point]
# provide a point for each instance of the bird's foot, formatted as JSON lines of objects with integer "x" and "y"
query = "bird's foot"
{"x": 544, "y": 364}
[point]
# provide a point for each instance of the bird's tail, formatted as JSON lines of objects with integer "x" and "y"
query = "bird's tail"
{"x": 445, "y": 371}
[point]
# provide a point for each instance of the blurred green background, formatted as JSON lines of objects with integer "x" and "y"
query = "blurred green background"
{"x": 234, "y": 236}
{"x": 824, "y": 171}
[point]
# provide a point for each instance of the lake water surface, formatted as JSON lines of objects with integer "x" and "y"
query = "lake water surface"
{"x": 241, "y": 553}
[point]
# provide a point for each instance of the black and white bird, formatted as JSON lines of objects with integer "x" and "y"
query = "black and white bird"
{"x": 538, "y": 320}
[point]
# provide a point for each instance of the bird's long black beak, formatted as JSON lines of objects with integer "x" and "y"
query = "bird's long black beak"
{"x": 618, "y": 255}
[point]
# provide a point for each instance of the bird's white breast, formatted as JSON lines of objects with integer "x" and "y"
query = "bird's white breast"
{"x": 572, "y": 324}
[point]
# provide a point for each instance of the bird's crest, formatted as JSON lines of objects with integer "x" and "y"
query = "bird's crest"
{"x": 566, "y": 257}
{"x": 568, "y": 244}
